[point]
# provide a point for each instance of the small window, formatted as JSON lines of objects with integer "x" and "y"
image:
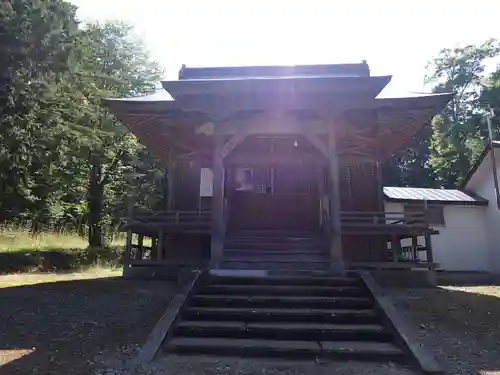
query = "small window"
{"x": 434, "y": 213}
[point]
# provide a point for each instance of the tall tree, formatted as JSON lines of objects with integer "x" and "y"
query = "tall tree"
{"x": 410, "y": 167}
{"x": 455, "y": 141}
{"x": 64, "y": 159}
{"x": 112, "y": 63}
{"x": 36, "y": 39}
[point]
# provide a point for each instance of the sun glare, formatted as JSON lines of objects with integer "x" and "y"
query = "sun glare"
{"x": 396, "y": 37}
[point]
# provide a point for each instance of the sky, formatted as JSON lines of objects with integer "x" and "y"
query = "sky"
{"x": 396, "y": 38}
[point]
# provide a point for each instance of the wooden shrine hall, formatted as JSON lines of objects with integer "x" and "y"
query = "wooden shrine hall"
{"x": 276, "y": 166}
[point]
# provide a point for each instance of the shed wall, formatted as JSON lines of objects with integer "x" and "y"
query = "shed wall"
{"x": 462, "y": 243}
{"x": 482, "y": 184}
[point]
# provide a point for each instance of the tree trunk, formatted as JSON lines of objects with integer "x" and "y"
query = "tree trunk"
{"x": 95, "y": 205}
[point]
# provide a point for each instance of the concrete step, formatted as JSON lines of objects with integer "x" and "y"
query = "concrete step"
{"x": 285, "y": 252}
{"x": 209, "y": 300}
{"x": 256, "y": 264}
{"x": 287, "y": 349}
{"x": 348, "y": 316}
{"x": 263, "y": 257}
{"x": 287, "y": 280}
{"x": 284, "y": 331}
{"x": 276, "y": 246}
{"x": 290, "y": 238}
{"x": 281, "y": 290}
{"x": 307, "y": 233}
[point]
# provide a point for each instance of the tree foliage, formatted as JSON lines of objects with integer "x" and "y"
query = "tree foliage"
{"x": 65, "y": 160}
{"x": 443, "y": 154}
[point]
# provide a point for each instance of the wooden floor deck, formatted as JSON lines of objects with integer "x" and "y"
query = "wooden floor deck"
{"x": 391, "y": 226}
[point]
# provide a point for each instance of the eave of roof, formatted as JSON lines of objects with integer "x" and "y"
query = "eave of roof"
{"x": 479, "y": 161}
{"x": 437, "y": 196}
{"x": 163, "y": 101}
{"x": 370, "y": 86}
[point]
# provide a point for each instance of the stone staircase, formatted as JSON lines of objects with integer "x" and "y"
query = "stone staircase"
{"x": 283, "y": 316}
{"x": 275, "y": 250}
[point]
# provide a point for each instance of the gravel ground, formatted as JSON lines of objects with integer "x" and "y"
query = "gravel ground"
{"x": 460, "y": 325}
{"x": 94, "y": 326}
{"x": 73, "y": 327}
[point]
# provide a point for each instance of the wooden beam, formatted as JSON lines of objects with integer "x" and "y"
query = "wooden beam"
{"x": 389, "y": 265}
{"x": 217, "y": 240}
{"x": 334, "y": 193}
{"x": 317, "y": 142}
{"x": 249, "y": 159}
{"x": 235, "y": 140}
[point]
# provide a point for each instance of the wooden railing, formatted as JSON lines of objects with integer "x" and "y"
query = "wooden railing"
{"x": 361, "y": 218}
{"x": 175, "y": 220}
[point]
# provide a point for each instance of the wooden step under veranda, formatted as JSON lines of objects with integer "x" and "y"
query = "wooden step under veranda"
{"x": 292, "y": 317}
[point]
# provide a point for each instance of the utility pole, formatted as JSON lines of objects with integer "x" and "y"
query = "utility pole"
{"x": 489, "y": 119}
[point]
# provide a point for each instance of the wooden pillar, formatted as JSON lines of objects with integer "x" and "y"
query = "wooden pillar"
{"x": 217, "y": 240}
{"x": 128, "y": 248}
{"x": 414, "y": 247}
{"x": 170, "y": 181}
{"x": 128, "y": 240}
{"x": 428, "y": 247}
{"x": 380, "y": 186}
{"x": 140, "y": 247}
{"x": 430, "y": 259}
{"x": 159, "y": 248}
{"x": 395, "y": 248}
{"x": 334, "y": 193}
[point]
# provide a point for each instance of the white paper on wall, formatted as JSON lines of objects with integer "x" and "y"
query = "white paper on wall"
{"x": 206, "y": 182}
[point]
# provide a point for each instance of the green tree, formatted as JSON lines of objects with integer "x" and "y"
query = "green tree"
{"x": 36, "y": 39}
{"x": 64, "y": 159}
{"x": 410, "y": 167}
{"x": 112, "y": 63}
{"x": 456, "y": 139}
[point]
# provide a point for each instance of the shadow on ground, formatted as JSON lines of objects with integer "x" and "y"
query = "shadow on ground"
{"x": 459, "y": 326}
{"x": 73, "y": 327}
{"x": 77, "y": 326}
{"x": 57, "y": 259}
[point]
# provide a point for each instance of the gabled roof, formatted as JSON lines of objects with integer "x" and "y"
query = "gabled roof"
{"x": 201, "y": 95}
{"x": 479, "y": 161}
{"x": 441, "y": 196}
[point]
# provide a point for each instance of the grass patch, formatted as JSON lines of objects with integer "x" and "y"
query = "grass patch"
{"x": 23, "y": 279}
{"x": 53, "y": 252}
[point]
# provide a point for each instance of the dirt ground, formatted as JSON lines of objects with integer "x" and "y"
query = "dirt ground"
{"x": 72, "y": 327}
{"x": 460, "y": 325}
